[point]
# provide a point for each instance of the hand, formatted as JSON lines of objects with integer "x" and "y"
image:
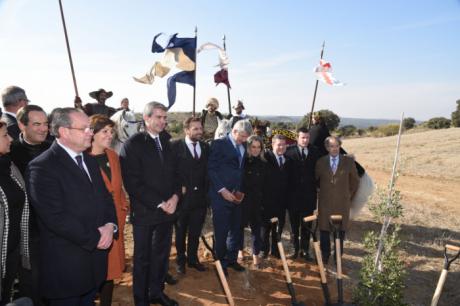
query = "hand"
{"x": 171, "y": 205}
{"x": 77, "y": 102}
{"x": 106, "y": 239}
{"x": 227, "y": 195}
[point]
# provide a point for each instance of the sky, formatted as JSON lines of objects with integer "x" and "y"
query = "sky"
{"x": 394, "y": 56}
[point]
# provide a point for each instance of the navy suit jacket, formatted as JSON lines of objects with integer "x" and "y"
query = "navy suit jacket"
{"x": 70, "y": 209}
{"x": 224, "y": 170}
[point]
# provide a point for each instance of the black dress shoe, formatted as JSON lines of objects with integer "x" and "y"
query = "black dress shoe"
{"x": 170, "y": 280}
{"x": 308, "y": 257}
{"x": 164, "y": 300}
{"x": 198, "y": 266}
{"x": 237, "y": 267}
{"x": 180, "y": 268}
{"x": 294, "y": 255}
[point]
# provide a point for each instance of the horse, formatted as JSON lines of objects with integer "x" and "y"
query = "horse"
{"x": 224, "y": 126}
{"x": 126, "y": 125}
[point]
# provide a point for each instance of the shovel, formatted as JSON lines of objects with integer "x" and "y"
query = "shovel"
{"x": 336, "y": 222}
{"x": 442, "y": 278}
{"x": 290, "y": 287}
{"x": 319, "y": 258}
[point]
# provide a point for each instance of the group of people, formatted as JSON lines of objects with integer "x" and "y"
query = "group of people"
{"x": 65, "y": 195}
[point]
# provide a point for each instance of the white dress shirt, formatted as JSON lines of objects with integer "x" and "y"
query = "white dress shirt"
{"x": 189, "y": 144}
{"x": 74, "y": 154}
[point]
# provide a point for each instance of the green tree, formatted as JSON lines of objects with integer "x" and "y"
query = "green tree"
{"x": 408, "y": 123}
{"x": 456, "y": 116}
{"x": 330, "y": 118}
{"x": 347, "y": 130}
{"x": 438, "y": 123}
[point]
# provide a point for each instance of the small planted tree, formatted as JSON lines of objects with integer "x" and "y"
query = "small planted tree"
{"x": 381, "y": 279}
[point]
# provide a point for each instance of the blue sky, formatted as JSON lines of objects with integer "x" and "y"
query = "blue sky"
{"x": 395, "y": 56}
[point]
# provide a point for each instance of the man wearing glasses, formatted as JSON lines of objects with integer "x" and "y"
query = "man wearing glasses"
{"x": 75, "y": 211}
{"x": 13, "y": 99}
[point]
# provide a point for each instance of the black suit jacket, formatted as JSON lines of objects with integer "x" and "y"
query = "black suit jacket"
{"x": 12, "y": 125}
{"x": 70, "y": 208}
{"x": 302, "y": 182}
{"x": 148, "y": 180}
{"x": 192, "y": 174}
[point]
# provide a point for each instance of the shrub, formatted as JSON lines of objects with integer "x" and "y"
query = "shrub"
{"x": 388, "y": 130}
{"x": 330, "y": 118}
{"x": 347, "y": 130}
{"x": 438, "y": 123}
{"x": 408, "y": 123}
{"x": 456, "y": 116}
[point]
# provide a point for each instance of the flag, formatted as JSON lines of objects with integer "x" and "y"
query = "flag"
{"x": 223, "y": 58}
{"x": 186, "y": 77}
{"x": 323, "y": 72}
{"x": 188, "y": 45}
{"x": 221, "y": 76}
{"x": 156, "y": 48}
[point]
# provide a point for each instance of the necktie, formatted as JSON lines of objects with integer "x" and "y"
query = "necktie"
{"x": 334, "y": 165}
{"x": 280, "y": 161}
{"x": 79, "y": 159}
{"x": 303, "y": 154}
{"x": 158, "y": 147}
{"x": 195, "y": 154}
{"x": 240, "y": 157}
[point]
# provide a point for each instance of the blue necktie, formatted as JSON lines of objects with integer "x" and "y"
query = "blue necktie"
{"x": 334, "y": 165}
{"x": 79, "y": 159}
{"x": 240, "y": 157}
{"x": 281, "y": 161}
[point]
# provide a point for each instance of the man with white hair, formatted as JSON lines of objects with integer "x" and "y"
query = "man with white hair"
{"x": 225, "y": 169}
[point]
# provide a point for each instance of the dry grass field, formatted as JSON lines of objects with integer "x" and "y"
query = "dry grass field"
{"x": 429, "y": 182}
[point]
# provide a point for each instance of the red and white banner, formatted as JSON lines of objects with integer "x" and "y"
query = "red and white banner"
{"x": 323, "y": 72}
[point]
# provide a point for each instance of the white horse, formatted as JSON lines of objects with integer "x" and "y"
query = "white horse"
{"x": 224, "y": 126}
{"x": 126, "y": 125}
{"x": 365, "y": 189}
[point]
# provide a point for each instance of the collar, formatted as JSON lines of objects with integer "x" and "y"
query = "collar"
{"x": 189, "y": 141}
{"x": 10, "y": 113}
{"x": 232, "y": 140}
{"x": 154, "y": 135}
{"x": 69, "y": 151}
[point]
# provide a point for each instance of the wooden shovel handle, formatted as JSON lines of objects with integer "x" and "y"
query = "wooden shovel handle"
{"x": 274, "y": 220}
{"x": 437, "y": 293}
{"x": 336, "y": 218}
{"x": 319, "y": 259}
{"x": 452, "y": 247}
{"x": 285, "y": 266}
{"x": 310, "y": 218}
{"x": 338, "y": 253}
{"x": 224, "y": 283}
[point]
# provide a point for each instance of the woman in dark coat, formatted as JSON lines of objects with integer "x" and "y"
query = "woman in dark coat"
{"x": 253, "y": 187}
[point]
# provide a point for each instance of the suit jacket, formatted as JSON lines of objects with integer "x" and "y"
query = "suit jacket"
{"x": 193, "y": 175}
{"x": 302, "y": 181}
{"x": 11, "y": 125}
{"x": 224, "y": 170}
{"x": 70, "y": 208}
{"x": 335, "y": 190}
{"x": 276, "y": 195}
{"x": 148, "y": 180}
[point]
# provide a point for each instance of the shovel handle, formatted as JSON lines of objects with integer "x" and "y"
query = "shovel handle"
{"x": 310, "y": 218}
{"x": 224, "y": 283}
{"x": 452, "y": 248}
{"x": 283, "y": 259}
{"x": 336, "y": 218}
{"x": 319, "y": 259}
{"x": 437, "y": 293}
{"x": 338, "y": 257}
{"x": 274, "y": 220}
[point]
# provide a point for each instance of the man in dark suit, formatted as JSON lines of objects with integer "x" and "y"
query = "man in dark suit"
{"x": 148, "y": 169}
{"x": 302, "y": 190}
{"x": 225, "y": 169}
{"x": 276, "y": 195}
{"x": 13, "y": 98}
{"x": 191, "y": 155}
{"x": 75, "y": 211}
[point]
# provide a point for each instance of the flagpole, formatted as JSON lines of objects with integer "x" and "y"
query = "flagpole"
{"x": 316, "y": 89}
{"x": 68, "y": 50}
{"x": 194, "y": 72}
{"x": 228, "y": 89}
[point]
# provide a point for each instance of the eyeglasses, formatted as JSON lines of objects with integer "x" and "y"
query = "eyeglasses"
{"x": 84, "y": 130}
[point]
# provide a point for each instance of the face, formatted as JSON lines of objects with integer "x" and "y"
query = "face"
{"x": 156, "y": 123}
{"x": 212, "y": 108}
{"x": 238, "y": 110}
{"x": 303, "y": 139}
{"x": 36, "y": 130}
{"x": 125, "y": 103}
{"x": 104, "y": 137}
{"x": 5, "y": 141}
{"x": 78, "y": 137}
{"x": 333, "y": 148}
{"x": 279, "y": 146}
{"x": 102, "y": 97}
{"x": 255, "y": 148}
{"x": 195, "y": 131}
{"x": 239, "y": 137}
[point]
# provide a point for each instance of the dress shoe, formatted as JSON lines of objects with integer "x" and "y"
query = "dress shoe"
{"x": 198, "y": 266}
{"x": 180, "y": 268}
{"x": 263, "y": 255}
{"x": 237, "y": 267}
{"x": 164, "y": 300}
{"x": 308, "y": 257}
{"x": 170, "y": 280}
{"x": 294, "y": 255}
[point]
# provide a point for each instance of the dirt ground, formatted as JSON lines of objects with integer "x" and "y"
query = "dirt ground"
{"x": 429, "y": 182}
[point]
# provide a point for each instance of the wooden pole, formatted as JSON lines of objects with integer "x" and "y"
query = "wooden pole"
{"x": 68, "y": 50}
{"x": 194, "y": 72}
{"x": 228, "y": 89}
{"x": 316, "y": 89}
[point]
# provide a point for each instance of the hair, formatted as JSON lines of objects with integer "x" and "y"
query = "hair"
{"x": 278, "y": 137}
{"x": 124, "y": 100}
{"x": 12, "y": 94}
{"x": 243, "y": 126}
{"x": 2, "y": 124}
{"x": 149, "y": 107}
{"x": 189, "y": 120}
{"x": 328, "y": 140}
{"x": 212, "y": 101}
{"x": 98, "y": 122}
{"x": 259, "y": 139}
{"x": 23, "y": 113}
{"x": 303, "y": 129}
{"x": 61, "y": 118}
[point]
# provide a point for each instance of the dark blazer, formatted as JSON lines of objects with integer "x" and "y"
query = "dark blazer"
{"x": 147, "y": 179}
{"x": 302, "y": 182}
{"x": 254, "y": 185}
{"x": 276, "y": 196}
{"x": 70, "y": 208}
{"x": 11, "y": 125}
{"x": 224, "y": 170}
{"x": 22, "y": 152}
{"x": 193, "y": 174}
